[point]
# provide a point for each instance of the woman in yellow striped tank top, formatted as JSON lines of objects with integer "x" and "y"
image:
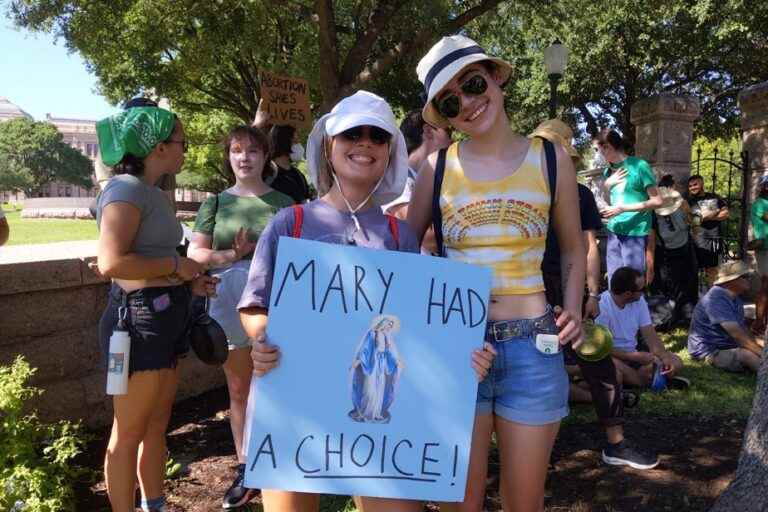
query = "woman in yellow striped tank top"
{"x": 495, "y": 210}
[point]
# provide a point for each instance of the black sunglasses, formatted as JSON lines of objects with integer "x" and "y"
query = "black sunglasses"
{"x": 449, "y": 105}
{"x": 376, "y": 135}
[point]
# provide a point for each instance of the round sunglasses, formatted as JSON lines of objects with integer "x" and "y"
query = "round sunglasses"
{"x": 376, "y": 135}
{"x": 449, "y": 105}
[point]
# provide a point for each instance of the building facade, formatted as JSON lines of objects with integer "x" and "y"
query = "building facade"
{"x": 78, "y": 133}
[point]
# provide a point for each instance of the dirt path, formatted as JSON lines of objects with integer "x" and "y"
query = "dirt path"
{"x": 698, "y": 459}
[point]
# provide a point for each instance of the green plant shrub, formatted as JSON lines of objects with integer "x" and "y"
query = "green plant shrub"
{"x": 37, "y": 473}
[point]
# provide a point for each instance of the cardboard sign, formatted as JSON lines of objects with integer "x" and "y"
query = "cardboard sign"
{"x": 375, "y": 394}
{"x": 286, "y": 99}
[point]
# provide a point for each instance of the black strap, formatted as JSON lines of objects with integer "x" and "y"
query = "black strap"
{"x": 551, "y": 159}
{"x": 437, "y": 215}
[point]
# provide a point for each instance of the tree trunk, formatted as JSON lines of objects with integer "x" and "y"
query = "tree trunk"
{"x": 748, "y": 490}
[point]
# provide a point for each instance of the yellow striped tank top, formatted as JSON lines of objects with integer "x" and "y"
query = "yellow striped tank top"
{"x": 500, "y": 224}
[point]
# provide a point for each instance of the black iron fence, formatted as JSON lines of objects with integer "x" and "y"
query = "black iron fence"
{"x": 729, "y": 178}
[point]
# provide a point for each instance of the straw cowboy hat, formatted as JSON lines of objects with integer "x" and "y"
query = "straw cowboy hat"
{"x": 442, "y": 62}
{"x": 554, "y": 130}
{"x": 730, "y": 271}
{"x": 671, "y": 201}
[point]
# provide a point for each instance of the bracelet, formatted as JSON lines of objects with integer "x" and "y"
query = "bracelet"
{"x": 594, "y": 295}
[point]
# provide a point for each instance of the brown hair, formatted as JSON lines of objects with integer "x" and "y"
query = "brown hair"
{"x": 612, "y": 137}
{"x": 256, "y": 136}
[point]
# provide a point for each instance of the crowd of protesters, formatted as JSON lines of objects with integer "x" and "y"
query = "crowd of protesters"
{"x": 390, "y": 188}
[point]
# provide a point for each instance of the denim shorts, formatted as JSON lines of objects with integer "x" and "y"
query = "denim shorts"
{"x": 524, "y": 385}
{"x": 157, "y": 320}
{"x": 223, "y": 307}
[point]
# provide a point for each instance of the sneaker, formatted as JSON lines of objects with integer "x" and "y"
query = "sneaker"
{"x": 678, "y": 382}
{"x": 237, "y": 495}
{"x": 622, "y": 454}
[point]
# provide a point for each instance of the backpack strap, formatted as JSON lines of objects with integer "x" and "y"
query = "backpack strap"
{"x": 395, "y": 230}
{"x": 298, "y": 220}
{"x": 437, "y": 214}
{"x": 551, "y": 158}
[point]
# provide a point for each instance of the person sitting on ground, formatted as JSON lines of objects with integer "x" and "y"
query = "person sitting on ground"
{"x": 718, "y": 332}
{"x": 624, "y": 312}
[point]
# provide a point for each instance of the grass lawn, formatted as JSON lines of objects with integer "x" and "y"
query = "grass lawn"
{"x": 713, "y": 392}
{"x": 43, "y": 231}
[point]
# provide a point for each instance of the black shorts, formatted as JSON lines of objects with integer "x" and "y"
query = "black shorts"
{"x": 707, "y": 258}
{"x": 157, "y": 321}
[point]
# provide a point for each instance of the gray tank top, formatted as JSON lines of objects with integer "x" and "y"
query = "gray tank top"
{"x": 159, "y": 232}
{"x": 673, "y": 229}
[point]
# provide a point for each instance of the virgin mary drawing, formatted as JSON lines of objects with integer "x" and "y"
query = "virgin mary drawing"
{"x": 375, "y": 371}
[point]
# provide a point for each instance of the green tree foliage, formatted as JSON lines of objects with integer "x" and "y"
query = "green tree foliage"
{"x": 623, "y": 51}
{"x": 203, "y": 166}
{"x": 206, "y": 55}
{"x": 32, "y": 154}
{"x": 36, "y": 469}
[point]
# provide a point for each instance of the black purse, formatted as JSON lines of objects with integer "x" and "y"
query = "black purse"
{"x": 206, "y": 336}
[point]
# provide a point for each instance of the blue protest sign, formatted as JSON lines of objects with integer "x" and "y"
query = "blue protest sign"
{"x": 374, "y": 394}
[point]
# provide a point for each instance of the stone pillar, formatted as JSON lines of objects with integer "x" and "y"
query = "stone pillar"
{"x": 753, "y": 102}
{"x": 664, "y": 134}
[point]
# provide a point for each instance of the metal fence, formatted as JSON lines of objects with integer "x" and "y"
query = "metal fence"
{"x": 729, "y": 178}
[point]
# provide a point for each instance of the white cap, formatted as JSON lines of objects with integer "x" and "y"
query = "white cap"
{"x": 362, "y": 109}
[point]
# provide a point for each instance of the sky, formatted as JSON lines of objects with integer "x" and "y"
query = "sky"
{"x": 41, "y": 77}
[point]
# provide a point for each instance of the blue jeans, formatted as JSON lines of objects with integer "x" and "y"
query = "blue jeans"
{"x": 524, "y": 385}
{"x": 625, "y": 251}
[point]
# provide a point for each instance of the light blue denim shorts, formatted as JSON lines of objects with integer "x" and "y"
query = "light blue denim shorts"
{"x": 223, "y": 307}
{"x": 524, "y": 385}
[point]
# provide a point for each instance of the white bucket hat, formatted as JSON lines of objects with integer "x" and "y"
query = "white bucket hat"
{"x": 442, "y": 62}
{"x": 362, "y": 109}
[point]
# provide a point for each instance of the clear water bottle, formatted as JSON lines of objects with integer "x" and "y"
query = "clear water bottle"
{"x": 118, "y": 362}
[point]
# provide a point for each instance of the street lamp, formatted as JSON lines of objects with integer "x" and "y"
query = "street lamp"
{"x": 555, "y": 60}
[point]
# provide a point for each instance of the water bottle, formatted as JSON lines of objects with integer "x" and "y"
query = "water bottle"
{"x": 118, "y": 362}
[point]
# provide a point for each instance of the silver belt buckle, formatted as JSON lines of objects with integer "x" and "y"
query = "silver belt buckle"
{"x": 503, "y": 331}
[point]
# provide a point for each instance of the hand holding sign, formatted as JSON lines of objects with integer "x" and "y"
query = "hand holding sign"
{"x": 285, "y": 100}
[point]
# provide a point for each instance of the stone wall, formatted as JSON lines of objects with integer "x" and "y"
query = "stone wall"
{"x": 753, "y": 102}
{"x": 664, "y": 134}
{"x": 50, "y": 314}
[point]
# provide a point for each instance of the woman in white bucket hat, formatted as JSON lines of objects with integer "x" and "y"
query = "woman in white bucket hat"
{"x": 493, "y": 207}
{"x": 358, "y": 161}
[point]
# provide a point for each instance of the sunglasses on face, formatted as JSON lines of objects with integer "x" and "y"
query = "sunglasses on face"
{"x": 449, "y": 105}
{"x": 375, "y": 134}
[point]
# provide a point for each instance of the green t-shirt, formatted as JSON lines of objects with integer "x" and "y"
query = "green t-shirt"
{"x": 632, "y": 190}
{"x": 760, "y": 226}
{"x": 234, "y": 212}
